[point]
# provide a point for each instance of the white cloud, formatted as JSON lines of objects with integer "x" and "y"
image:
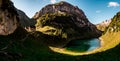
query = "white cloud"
{"x": 113, "y": 4}
{"x": 98, "y": 11}
{"x": 52, "y": 1}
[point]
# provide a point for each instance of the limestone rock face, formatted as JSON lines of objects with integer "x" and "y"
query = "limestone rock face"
{"x": 8, "y": 17}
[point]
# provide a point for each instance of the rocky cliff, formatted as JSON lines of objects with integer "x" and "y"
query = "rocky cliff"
{"x": 66, "y": 21}
{"x": 12, "y": 18}
{"x": 8, "y": 17}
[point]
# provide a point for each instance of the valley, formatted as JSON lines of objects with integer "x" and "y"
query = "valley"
{"x": 56, "y": 33}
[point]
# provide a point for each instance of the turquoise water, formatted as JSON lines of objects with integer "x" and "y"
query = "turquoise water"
{"x": 83, "y": 45}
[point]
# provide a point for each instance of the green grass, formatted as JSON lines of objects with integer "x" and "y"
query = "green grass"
{"x": 110, "y": 40}
{"x": 34, "y": 49}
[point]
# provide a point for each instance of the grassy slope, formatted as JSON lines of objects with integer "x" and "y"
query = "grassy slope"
{"x": 110, "y": 40}
{"x": 33, "y": 49}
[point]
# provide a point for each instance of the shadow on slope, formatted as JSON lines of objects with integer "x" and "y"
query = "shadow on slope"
{"x": 33, "y": 48}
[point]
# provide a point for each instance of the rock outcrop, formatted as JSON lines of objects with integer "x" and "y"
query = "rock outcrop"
{"x": 103, "y": 25}
{"x": 9, "y": 20}
{"x": 12, "y": 18}
{"x": 66, "y": 21}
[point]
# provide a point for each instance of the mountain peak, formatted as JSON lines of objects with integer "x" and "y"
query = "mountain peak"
{"x": 66, "y": 21}
{"x": 62, "y": 3}
{"x": 60, "y": 7}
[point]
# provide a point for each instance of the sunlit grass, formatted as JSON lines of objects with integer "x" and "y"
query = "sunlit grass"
{"x": 33, "y": 49}
{"x": 110, "y": 40}
{"x": 45, "y": 29}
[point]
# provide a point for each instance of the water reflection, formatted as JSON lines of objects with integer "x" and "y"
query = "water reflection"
{"x": 83, "y": 45}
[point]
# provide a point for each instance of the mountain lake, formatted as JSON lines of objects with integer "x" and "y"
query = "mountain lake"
{"x": 83, "y": 45}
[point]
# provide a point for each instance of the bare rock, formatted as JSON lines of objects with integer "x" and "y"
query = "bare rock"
{"x": 9, "y": 20}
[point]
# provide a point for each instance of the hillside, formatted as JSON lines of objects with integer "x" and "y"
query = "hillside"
{"x": 112, "y": 33}
{"x": 56, "y": 25}
{"x": 59, "y": 20}
{"x": 115, "y": 24}
{"x": 103, "y": 25}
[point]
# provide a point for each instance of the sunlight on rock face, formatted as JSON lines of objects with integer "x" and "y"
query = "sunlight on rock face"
{"x": 7, "y": 25}
{"x": 8, "y": 18}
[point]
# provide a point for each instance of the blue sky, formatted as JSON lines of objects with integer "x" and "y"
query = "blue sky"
{"x": 95, "y": 10}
